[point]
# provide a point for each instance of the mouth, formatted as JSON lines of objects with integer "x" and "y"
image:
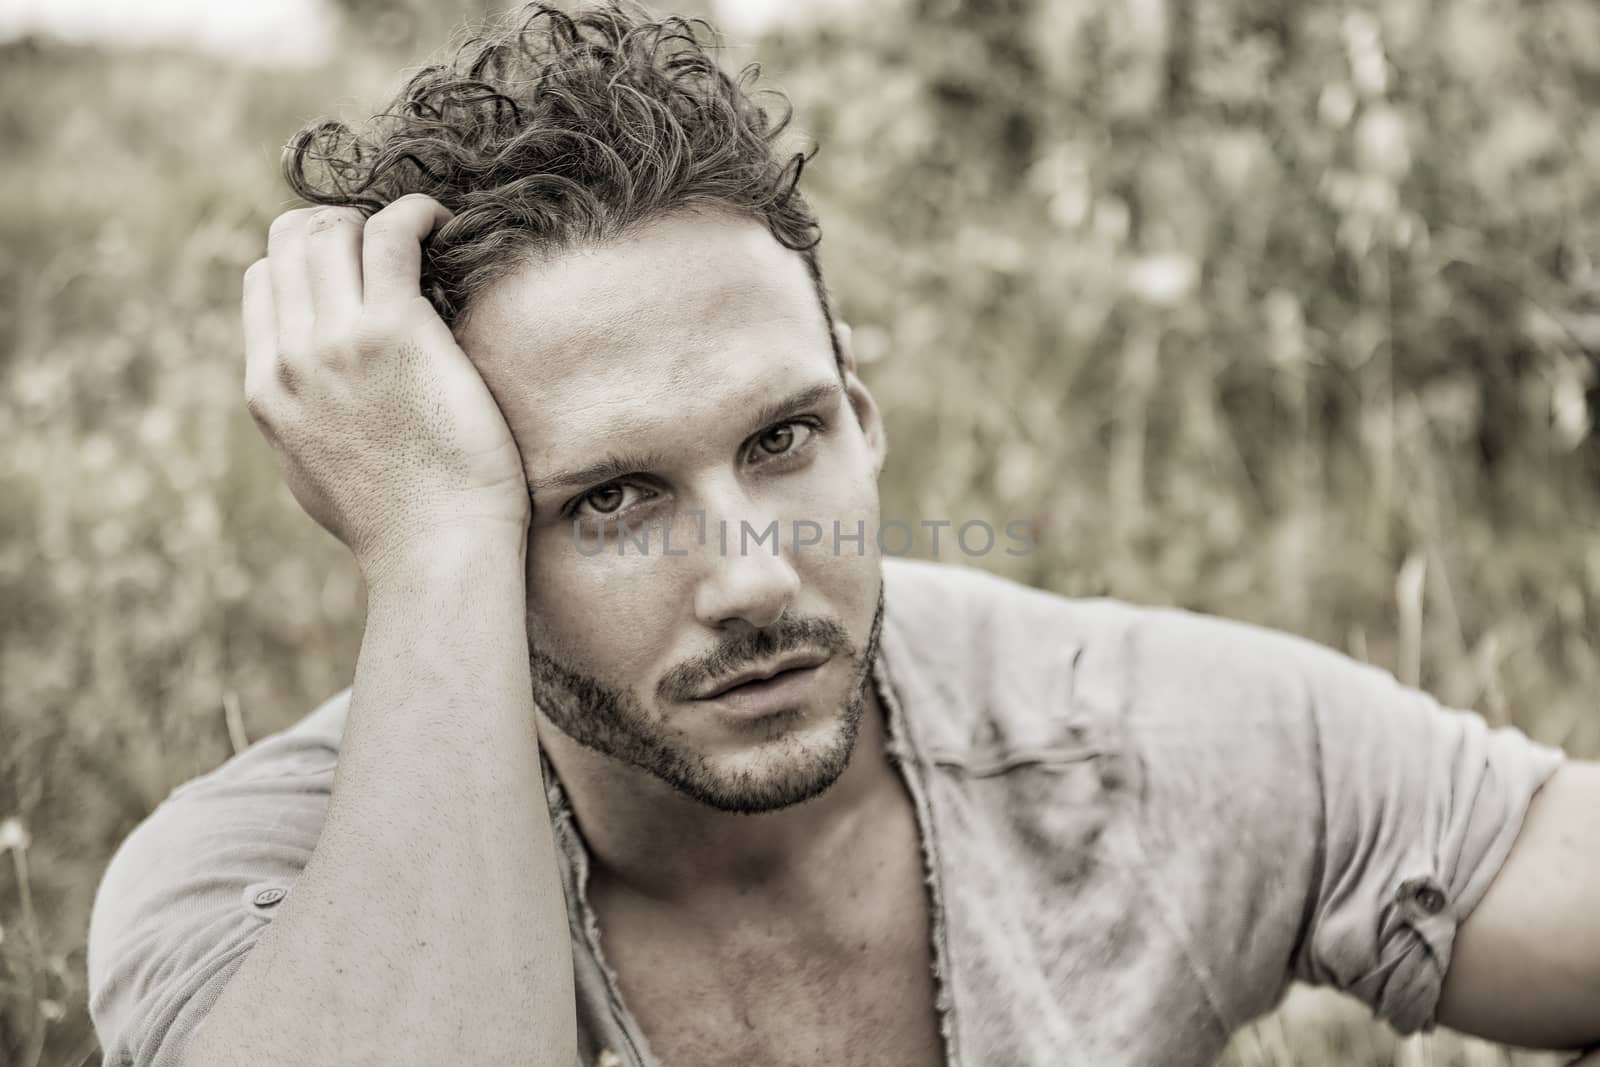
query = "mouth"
{"x": 772, "y": 672}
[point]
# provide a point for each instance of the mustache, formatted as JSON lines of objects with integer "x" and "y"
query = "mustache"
{"x": 746, "y": 650}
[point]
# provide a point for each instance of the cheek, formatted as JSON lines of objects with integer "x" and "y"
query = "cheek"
{"x": 600, "y": 615}
{"x": 843, "y": 486}
{"x": 844, "y": 568}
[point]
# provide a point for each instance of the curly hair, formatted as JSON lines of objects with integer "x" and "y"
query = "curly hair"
{"x": 549, "y": 130}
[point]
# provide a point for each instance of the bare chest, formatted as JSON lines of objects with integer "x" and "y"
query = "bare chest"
{"x": 843, "y": 979}
{"x": 789, "y": 1004}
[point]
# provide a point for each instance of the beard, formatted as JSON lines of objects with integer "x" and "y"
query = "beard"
{"x": 795, "y": 766}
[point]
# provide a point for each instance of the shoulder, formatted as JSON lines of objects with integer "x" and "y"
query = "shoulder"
{"x": 189, "y": 890}
{"x": 941, "y": 603}
{"x": 979, "y": 654}
{"x": 272, "y": 794}
{"x": 942, "y": 610}
{"x": 309, "y": 747}
{"x": 260, "y": 811}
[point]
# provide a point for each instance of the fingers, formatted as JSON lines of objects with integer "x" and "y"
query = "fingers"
{"x": 260, "y": 329}
{"x": 322, "y": 265}
{"x": 333, "y": 265}
{"x": 391, "y": 254}
{"x": 291, "y": 287}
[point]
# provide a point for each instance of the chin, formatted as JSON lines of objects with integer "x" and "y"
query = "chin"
{"x": 787, "y": 762}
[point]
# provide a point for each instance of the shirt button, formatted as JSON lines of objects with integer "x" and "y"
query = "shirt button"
{"x": 1430, "y": 900}
{"x": 1423, "y": 895}
{"x": 268, "y": 897}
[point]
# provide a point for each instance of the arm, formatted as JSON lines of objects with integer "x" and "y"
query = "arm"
{"x": 429, "y": 925}
{"x": 1526, "y": 967}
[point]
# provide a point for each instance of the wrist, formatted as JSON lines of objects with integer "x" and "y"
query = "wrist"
{"x": 492, "y": 553}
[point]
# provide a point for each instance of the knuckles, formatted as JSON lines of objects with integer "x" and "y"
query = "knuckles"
{"x": 324, "y": 219}
{"x": 269, "y": 392}
{"x": 369, "y": 335}
{"x": 373, "y": 336}
{"x": 259, "y": 404}
{"x": 318, "y": 220}
{"x": 411, "y": 201}
{"x": 288, "y": 375}
{"x": 288, "y": 222}
{"x": 403, "y": 214}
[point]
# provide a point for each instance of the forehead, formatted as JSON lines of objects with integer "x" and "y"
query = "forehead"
{"x": 689, "y": 318}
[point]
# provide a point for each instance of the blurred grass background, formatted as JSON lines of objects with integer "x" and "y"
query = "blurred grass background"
{"x": 1282, "y": 310}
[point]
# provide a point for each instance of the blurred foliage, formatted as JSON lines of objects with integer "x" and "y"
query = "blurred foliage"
{"x": 409, "y": 28}
{"x": 1285, "y": 311}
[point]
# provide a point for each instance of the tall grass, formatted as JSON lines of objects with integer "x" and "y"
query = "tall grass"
{"x": 1266, "y": 339}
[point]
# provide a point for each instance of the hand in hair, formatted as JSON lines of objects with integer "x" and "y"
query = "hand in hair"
{"x": 383, "y": 429}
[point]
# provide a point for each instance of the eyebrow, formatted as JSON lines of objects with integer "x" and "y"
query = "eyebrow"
{"x": 617, "y": 464}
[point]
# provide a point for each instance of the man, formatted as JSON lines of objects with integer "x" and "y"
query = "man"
{"x": 744, "y": 795}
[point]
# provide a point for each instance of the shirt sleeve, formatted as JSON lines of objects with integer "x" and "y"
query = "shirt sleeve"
{"x": 1317, "y": 819}
{"x": 191, "y": 889}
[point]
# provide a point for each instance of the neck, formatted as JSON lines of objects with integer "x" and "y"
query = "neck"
{"x": 645, "y": 836}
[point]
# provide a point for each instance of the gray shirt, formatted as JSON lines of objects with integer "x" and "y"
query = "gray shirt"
{"x": 1139, "y": 826}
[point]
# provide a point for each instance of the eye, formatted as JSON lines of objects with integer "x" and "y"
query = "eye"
{"x": 786, "y": 438}
{"x": 777, "y": 440}
{"x": 609, "y": 499}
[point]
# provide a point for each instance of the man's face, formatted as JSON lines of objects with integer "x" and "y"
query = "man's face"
{"x": 681, "y": 381}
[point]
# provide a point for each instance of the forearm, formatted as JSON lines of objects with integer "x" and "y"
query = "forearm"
{"x": 429, "y": 925}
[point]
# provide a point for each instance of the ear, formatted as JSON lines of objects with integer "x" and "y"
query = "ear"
{"x": 861, "y": 401}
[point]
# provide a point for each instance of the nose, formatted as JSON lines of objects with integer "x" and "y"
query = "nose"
{"x": 753, "y": 588}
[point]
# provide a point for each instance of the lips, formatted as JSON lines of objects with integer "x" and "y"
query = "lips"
{"x": 761, "y": 674}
